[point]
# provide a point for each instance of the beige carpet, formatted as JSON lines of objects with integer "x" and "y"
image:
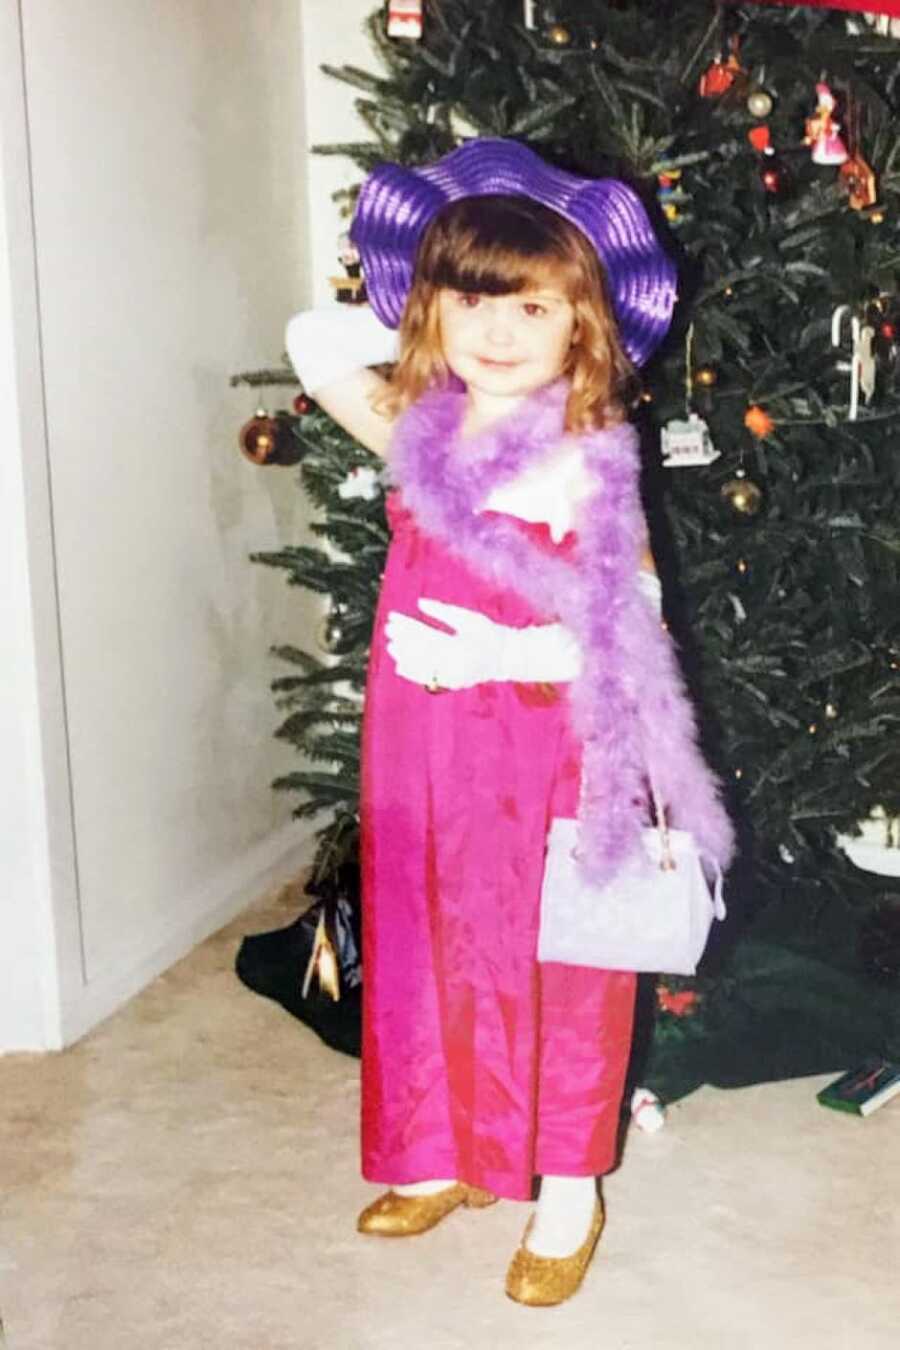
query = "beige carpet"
{"x": 186, "y": 1177}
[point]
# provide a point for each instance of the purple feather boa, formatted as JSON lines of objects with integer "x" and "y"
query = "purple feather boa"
{"x": 630, "y": 707}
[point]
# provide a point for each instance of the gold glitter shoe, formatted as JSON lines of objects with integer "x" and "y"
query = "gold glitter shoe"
{"x": 393, "y": 1215}
{"x": 541, "y": 1281}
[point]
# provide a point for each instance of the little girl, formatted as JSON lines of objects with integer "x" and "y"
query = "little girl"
{"x": 518, "y": 673}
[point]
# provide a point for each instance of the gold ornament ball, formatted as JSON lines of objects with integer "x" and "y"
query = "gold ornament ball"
{"x": 742, "y": 495}
{"x": 742, "y": 566}
{"x": 759, "y": 104}
{"x": 705, "y": 377}
{"x": 831, "y": 711}
{"x": 559, "y": 35}
{"x": 330, "y": 635}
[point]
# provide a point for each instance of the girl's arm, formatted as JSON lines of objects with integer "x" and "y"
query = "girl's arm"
{"x": 331, "y": 350}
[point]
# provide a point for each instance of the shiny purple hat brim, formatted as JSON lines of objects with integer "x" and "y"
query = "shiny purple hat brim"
{"x": 396, "y": 204}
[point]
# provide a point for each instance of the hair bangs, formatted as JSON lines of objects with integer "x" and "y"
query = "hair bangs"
{"x": 491, "y": 246}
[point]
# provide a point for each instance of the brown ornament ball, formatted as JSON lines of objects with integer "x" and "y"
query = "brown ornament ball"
{"x": 258, "y": 438}
{"x": 268, "y": 441}
{"x": 742, "y": 495}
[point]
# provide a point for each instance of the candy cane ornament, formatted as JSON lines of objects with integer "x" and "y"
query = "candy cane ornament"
{"x": 853, "y": 366}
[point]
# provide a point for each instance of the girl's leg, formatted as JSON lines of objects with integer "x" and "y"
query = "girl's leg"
{"x": 563, "y": 1216}
{"x": 422, "y": 1187}
{"x": 586, "y": 1025}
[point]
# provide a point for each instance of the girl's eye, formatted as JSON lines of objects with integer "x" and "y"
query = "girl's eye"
{"x": 467, "y": 299}
{"x": 533, "y": 309}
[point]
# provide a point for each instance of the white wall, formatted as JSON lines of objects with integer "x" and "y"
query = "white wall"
{"x": 163, "y": 148}
{"x": 23, "y": 1014}
{"x": 331, "y": 119}
{"x": 38, "y": 899}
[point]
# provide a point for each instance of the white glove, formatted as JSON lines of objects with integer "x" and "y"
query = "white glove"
{"x": 478, "y": 650}
{"x": 650, "y": 584}
{"x": 327, "y": 344}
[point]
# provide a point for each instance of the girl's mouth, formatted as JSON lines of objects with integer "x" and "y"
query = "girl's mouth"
{"x": 499, "y": 365}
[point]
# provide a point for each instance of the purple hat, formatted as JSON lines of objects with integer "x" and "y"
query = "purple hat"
{"x": 396, "y": 204}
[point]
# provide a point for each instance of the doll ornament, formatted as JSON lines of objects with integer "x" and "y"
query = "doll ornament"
{"x": 822, "y": 131}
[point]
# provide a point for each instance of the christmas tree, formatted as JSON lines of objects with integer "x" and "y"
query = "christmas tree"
{"x": 766, "y": 141}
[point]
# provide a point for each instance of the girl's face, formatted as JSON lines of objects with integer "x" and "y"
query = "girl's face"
{"x": 506, "y": 346}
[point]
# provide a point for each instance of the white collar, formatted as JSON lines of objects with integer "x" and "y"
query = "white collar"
{"x": 549, "y": 491}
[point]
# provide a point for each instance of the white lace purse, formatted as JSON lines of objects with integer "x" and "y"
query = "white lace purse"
{"x": 654, "y": 915}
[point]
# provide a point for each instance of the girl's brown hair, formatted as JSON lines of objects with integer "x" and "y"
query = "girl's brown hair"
{"x": 500, "y": 245}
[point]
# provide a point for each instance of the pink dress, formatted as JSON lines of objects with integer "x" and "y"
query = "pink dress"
{"x": 479, "y": 1063}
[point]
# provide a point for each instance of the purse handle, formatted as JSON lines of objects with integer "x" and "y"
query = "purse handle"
{"x": 667, "y": 861}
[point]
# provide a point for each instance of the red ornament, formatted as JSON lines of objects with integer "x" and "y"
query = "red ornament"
{"x": 715, "y": 80}
{"x": 722, "y": 74}
{"x": 302, "y": 405}
{"x": 681, "y": 1004}
{"x": 758, "y": 421}
{"x": 771, "y": 172}
{"x": 760, "y": 138}
{"x": 888, "y": 330}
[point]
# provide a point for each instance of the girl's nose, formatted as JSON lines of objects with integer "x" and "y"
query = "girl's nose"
{"x": 498, "y": 329}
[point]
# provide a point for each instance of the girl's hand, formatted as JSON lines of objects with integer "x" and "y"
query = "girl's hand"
{"x": 331, "y": 350}
{"x": 478, "y": 649}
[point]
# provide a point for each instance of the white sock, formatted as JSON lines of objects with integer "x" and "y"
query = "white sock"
{"x": 563, "y": 1216}
{"x": 422, "y": 1187}
{"x": 647, "y": 1111}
